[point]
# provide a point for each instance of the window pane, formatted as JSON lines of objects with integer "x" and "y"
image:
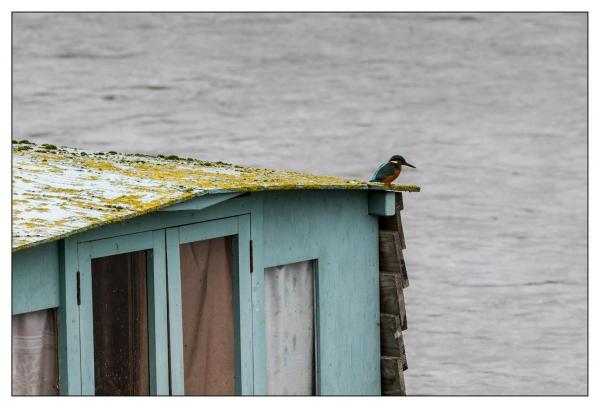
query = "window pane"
{"x": 207, "y": 305}
{"x": 289, "y": 321}
{"x": 120, "y": 308}
{"x": 34, "y": 353}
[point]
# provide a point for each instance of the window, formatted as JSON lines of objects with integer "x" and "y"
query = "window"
{"x": 290, "y": 329}
{"x": 120, "y": 310}
{"x": 123, "y": 315}
{"x": 167, "y": 311}
{"x": 208, "y": 324}
{"x": 34, "y": 353}
{"x": 209, "y": 289}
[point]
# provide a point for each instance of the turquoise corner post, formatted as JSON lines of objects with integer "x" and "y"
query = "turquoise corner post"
{"x": 259, "y": 348}
{"x": 175, "y": 312}
{"x": 68, "y": 314}
{"x": 244, "y": 307}
{"x": 157, "y": 315}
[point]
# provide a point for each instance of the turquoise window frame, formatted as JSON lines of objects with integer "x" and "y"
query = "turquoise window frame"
{"x": 154, "y": 242}
{"x": 164, "y": 302}
{"x": 239, "y": 228}
{"x": 248, "y": 210}
{"x": 317, "y": 325}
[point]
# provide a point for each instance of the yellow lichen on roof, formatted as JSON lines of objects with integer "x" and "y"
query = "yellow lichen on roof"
{"x": 58, "y": 192}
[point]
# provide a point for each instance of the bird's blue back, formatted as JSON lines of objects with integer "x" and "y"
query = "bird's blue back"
{"x": 383, "y": 171}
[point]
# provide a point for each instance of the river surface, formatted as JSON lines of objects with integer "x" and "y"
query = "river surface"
{"x": 491, "y": 108}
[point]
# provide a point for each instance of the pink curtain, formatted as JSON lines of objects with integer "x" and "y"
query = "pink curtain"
{"x": 34, "y": 354}
{"x": 207, "y": 303}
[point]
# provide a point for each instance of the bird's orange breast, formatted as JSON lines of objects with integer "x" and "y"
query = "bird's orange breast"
{"x": 389, "y": 179}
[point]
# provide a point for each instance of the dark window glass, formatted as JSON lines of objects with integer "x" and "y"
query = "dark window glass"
{"x": 120, "y": 308}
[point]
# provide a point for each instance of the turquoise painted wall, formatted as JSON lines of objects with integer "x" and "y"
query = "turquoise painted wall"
{"x": 335, "y": 228}
{"x": 332, "y": 227}
{"x": 35, "y": 278}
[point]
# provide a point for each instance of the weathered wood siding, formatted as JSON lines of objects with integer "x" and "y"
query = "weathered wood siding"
{"x": 334, "y": 228}
{"x": 35, "y": 278}
{"x": 393, "y": 279}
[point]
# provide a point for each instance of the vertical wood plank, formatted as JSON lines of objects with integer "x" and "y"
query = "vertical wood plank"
{"x": 86, "y": 320}
{"x": 235, "y": 272}
{"x": 68, "y": 325}
{"x": 399, "y": 202}
{"x": 402, "y": 307}
{"x": 403, "y": 272}
{"x": 317, "y": 331}
{"x": 244, "y": 285}
{"x": 157, "y": 315}
{"x": 175, "y": 312}
{"x": 258, "y": 297}
{"x": 393, "y": 280}
{"x": 401, "y": 231}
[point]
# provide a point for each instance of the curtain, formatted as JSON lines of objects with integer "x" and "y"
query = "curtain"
{"x": 34, "y": 354}
{"x": 290, "y": 329}
{"x": 207, "y": 303}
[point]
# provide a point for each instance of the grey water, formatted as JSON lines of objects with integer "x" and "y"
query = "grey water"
{"x": 491, "y": 108}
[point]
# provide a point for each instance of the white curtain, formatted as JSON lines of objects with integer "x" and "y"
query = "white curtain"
{"x": 34, "y": 358}
{"x": 289, "y": 328}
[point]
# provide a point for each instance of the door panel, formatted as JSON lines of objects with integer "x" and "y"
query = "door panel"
{"x": 123, "y": 315}
{"x": 132, "y": 335}
{"x": 207, "y": 289}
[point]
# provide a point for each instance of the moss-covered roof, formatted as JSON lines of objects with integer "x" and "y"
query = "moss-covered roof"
{"x": 59, "y": 191}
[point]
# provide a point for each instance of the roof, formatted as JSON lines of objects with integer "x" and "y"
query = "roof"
{"x": 62, "y": 191}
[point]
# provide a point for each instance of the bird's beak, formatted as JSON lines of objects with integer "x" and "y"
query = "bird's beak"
{"x": 409, "y": 165}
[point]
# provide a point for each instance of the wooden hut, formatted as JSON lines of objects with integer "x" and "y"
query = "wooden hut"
{"x": 143, "y": 275}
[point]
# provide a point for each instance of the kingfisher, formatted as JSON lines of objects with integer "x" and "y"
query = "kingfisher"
{"x": 388, "y": 172}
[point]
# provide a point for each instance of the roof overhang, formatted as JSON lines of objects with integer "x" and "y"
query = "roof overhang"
{"x": 58, "y": 192}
